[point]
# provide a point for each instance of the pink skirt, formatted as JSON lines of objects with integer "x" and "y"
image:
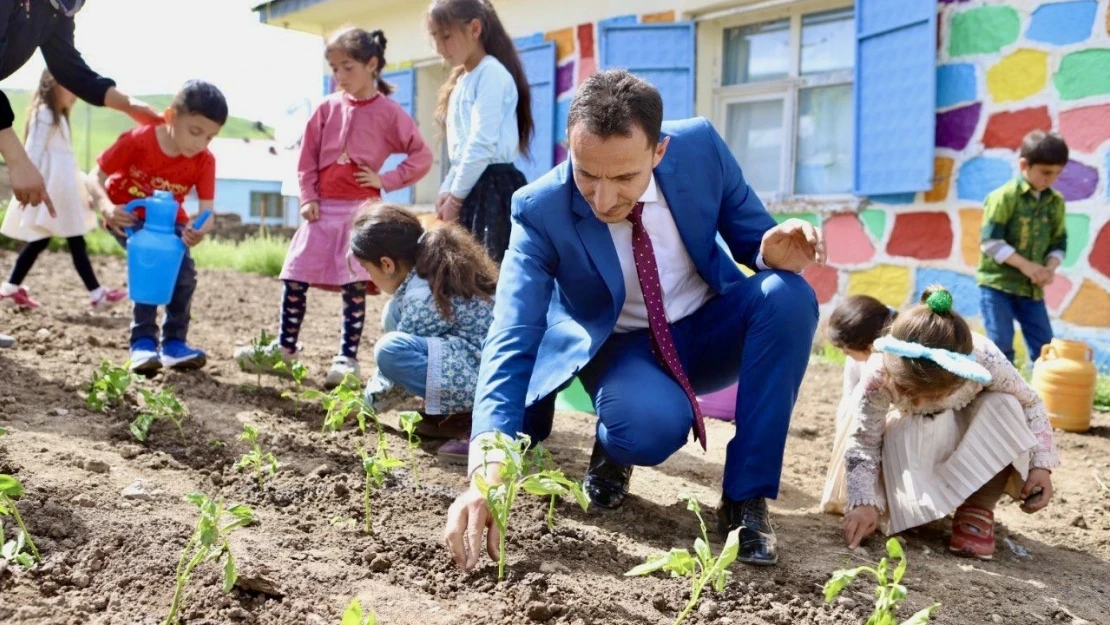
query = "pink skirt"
{"x": 319, "y": 252}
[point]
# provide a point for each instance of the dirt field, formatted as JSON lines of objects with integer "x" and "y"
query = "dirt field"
{"x": 110, "y": 559}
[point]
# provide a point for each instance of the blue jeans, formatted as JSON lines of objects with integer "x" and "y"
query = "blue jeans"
{"x": 759, "y": 333}
{"x": 402, "y": 359}
{"x": 175, "y": 325}
{"x": 999, "y": 311}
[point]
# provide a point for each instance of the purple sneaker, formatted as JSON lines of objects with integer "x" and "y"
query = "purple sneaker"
{"x": 455, "y": 451}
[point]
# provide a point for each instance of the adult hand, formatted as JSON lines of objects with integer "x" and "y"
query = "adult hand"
{"x": 143, "y": 113}
{"x": 860, "y": 523}
{"x": 367, "y": 177}
{"x": 310, "y": 211}
{"x": 192, "y": 237}
{"x": 467, "y": 518}
{"x": 28, "y": 187}
{"x": 1032, "y": 499}
{"x": 793, "y": 245}
{"x": 116, "y": 218}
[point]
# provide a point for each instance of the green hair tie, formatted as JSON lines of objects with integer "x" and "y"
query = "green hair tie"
{"x": 940, "y": 302}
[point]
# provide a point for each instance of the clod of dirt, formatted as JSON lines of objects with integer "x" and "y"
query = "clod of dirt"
{"x": 1079, "y": 521}
{"x": 96, "y": 466}
{"x": 659, "y": 602}
{"x": 381, "y": 564}
{"x": 709, "y": 609}
{"x": 542, "y": 612}
{"x": 258, "y": 578}
{"x": 83, "y": 501}
{"x": 130, "y": 452}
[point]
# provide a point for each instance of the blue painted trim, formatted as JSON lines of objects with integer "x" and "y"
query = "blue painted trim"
{"x": 606, "y": 26}
{"x": 267, "y": 11}
{"x": 528, "y": 40}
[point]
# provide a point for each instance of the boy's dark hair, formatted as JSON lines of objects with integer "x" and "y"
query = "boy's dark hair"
{"x": 1044, "y": 148}
{"x": 448, "y": 257}
{"x": 858, "y": 321}
{"x": 362, "y": 46}
{"x": 921, "y": 324}
{"x": 608, "y": 103}
{"x": 201, "y": 98}
{"x": 499, "y": 45}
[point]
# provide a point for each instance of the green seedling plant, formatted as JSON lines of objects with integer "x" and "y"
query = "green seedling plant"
{"x": 702, "y": 568}
{"x": 262, "y": 463}
{"x": 13, "y": 551}
{"x": 409, "y": 421}
{"x": 540, "y": 459}
{"x": 341, "y": 402}
{"x": 299, "y": 372}
{"x": 516, "y": 473}
{"x": 208, "y": 544}
{"x": 158, "y": 405}
{"x": 354, "y": 615}
{"x": 109, "y": 386}
{"x": 264, "y": 355}
{"x": 376, "y": 467}
{"x": 888, "y": 594}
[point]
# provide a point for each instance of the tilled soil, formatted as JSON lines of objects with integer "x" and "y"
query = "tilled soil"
{"x": 110, "y": 558}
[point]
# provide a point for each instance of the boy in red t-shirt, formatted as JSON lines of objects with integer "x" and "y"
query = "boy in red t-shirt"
{"x": 170, "y": 157}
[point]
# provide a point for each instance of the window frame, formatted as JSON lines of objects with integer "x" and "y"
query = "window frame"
{"x": 279, "y": 218}
{"x": 788, "y": 89}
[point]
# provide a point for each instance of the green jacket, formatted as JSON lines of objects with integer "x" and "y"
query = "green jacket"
{"x": 1033, "y": 225}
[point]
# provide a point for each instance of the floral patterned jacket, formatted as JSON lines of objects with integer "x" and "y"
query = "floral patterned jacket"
{"x": 454, "y": 345}
{"x": 876, "y": 395}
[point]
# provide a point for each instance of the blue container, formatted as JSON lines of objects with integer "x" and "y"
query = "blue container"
{"x": 155, "y": 252}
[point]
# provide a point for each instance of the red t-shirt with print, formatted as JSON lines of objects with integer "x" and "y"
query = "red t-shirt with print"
{"x": 136, "y": 167}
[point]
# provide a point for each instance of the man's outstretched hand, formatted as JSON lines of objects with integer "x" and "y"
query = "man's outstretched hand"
{"x": 467, "y": 519}
{"x": 793, "y": 245}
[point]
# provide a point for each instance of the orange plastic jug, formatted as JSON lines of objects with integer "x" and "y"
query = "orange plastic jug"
{"x": 1065, "y": 377}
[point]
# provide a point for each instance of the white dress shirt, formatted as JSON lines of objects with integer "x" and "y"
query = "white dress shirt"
{"x": 684, "y": 290}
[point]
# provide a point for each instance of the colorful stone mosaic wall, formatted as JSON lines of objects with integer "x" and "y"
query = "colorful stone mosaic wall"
{"x": 1003, "y": 69}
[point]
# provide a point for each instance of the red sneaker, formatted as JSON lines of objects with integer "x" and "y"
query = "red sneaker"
{"x": 972, "y": 532}
{"x": 20, "y": 299}
{"x": 108, "y": 299}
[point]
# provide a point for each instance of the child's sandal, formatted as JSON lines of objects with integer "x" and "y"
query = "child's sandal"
{"x": 973, "y": 532}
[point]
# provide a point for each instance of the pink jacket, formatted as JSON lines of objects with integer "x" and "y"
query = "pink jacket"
{"x": 370, "y": 133}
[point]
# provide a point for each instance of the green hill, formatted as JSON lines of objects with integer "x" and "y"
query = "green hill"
{"x": 107, "y": 124}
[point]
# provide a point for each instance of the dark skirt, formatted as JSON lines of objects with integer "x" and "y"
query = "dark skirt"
{"x": 485, "y": 212}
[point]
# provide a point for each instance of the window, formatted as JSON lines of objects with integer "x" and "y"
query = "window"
{"x": 268, "y": 204}
{"x": 785, "y": 102}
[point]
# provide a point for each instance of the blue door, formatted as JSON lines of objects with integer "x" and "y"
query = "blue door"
{"x": 539, "y": 66}
{"x": 662, "y": 54}
{"x": 404, "y": 93}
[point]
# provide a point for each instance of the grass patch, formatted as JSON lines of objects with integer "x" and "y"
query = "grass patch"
{"x": 1102, "y": 393}
{"x": 260, "y": 254}
{"x": 832, "y": 355}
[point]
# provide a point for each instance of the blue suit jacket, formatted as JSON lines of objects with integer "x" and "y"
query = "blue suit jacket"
{"x": 561, "y": 287}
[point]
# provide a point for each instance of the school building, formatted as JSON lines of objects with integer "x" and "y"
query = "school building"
{"x": 885, "y": 121}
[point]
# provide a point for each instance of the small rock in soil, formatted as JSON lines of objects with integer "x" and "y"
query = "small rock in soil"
{"x": 996, "y": 618}
{"x": 1079, "y": 522}
{"x": 129, "y": 452}
{"x": 846, "y": 602}
{"x": 42, "y": 334}
{"x": 140, "y": 490}
{"x": 97, "y": 466}
{"x": 59, "y": 412}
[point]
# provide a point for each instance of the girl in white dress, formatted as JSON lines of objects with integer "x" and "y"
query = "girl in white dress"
{"x": 49, "y": 145}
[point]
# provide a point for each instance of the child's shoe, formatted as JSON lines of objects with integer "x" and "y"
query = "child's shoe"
{"x": 177, "y": 355}
{"x": 973, "y": 532}
{"x": 455, "y": 451}
{"x": 20, "y": 297}
{"x": 450, "y": 426}
{"x": 107, "y": 299}
{"x": 256, "y": 360}
{"x": 144, "y": 357}
{"x": 341, "y": 367}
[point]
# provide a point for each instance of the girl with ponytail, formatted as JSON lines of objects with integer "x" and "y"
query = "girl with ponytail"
{"x": 942, "y": 423}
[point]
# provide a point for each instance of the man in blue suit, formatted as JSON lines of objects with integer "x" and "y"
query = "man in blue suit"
{"x": 614, "y": 275}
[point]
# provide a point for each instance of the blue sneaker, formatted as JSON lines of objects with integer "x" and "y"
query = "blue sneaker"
{"x": 144, "y": 357}
{"x": 177, "y": 355}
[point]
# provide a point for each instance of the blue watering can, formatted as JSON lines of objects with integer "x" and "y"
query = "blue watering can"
{"x": 155, "y": 252}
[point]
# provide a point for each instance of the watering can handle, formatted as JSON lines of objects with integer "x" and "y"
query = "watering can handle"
{"x": 203, "y": 219}
{"x": 130, "y": 208}
{"x": 1048, "y": 349}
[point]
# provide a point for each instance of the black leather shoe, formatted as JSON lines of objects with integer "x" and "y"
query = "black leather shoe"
{"x": 606, "y": 482}
{"x": 757, "y": 537}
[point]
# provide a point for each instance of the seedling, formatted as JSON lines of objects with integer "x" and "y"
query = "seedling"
{"x": 341, "y": 402}
{"x": 890, "y": 591}
{"x": 513, "y": 476}
{"x": 12, "y": 551}
{"x": 540, "y": 459}
{"x": 264, "y": 354}
{"x": 409, "y": 421}
{"x": 376, "y": 467}
{"x": 702, "y": 568}
{"x": 109, "y": 386}
{"x": 156, "y": 406}
{"x": 298, "y": 371}
{"x": 208, "y": 544}
{"x": 355, "y": 616}
{"x": 262, "y": 463}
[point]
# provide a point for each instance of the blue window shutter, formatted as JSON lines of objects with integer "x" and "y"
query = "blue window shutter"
{"x": 895, "y": 96}
{"x": 538, "y": 59}
{"x": 662, "y": 54}
{"x": 404, "y": 93}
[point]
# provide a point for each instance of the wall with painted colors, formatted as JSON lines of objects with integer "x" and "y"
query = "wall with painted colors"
{"x": 1004, "y": 69}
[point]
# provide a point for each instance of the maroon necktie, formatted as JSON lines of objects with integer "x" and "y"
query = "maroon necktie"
{"x": 662, "y": 343}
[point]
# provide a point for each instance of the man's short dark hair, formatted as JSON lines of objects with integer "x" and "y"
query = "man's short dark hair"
{"x": 201, "y": 98}
{"x": 1044, "y": 148}
{"x": 608, "y": 103}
